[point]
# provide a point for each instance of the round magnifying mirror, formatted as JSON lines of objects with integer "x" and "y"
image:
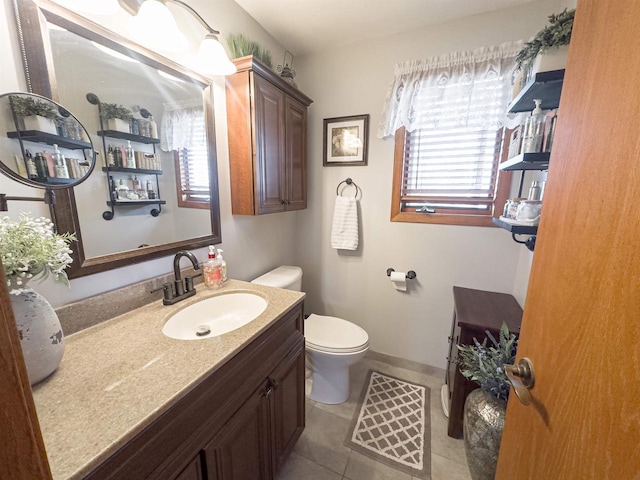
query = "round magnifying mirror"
{"x": 42, "y": 144}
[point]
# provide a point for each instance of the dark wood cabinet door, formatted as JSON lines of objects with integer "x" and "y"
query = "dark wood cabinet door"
{"x": 269, "y": 138}
{"x": 287, "y": 407}
{"x": 241, "y": 450}
{"x": 193, "y": 471}
{"x": 296, "y": 159}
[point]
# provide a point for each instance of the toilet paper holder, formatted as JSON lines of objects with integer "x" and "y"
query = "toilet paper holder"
{"x": 410, "y": 274}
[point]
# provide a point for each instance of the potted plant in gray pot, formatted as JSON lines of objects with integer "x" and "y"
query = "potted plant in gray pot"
{"x": 485, "y": 407}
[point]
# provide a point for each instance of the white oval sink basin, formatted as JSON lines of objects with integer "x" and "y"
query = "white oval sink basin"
{"x": 214, "y": 316}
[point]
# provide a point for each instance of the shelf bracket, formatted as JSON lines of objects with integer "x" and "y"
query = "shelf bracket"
{"x": 530, "y": 242}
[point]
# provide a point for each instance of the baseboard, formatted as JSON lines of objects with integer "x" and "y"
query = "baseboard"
{"x": 408, "y": 364}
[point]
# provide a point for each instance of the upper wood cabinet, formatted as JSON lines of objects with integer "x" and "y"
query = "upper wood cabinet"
{"x": 267, "y": 125}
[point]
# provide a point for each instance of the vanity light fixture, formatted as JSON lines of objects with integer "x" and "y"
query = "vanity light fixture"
{"x": 97, "y": 7}
{"x": 153, "y": 23}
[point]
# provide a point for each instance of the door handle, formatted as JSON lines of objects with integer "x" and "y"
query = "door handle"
{"x": 522, "y": 379}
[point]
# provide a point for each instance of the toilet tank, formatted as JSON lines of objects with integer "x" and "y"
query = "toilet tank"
{"x": 282, "y": 277}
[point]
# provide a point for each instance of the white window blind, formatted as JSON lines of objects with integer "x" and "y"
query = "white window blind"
{"x": 194, "y": 167}
{"x": 450, "y": 169}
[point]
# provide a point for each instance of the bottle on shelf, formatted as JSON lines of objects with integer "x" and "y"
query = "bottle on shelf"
{"x": 133, "y": 127}
{"x": 153, "y": 127}
{"x": 117, "y": 157}
{"x": 122, "y": 191}
{"x": 137, "y": 184}
{"x": 41, "y": 166}
{"x": 534, "y": 130}
{"x": 32, "y": 172}
{"x": 130, "y": 157}
{"x": 111, "y": 160}
{"x": 151, "y": 193}
{"x": 59, "y": 163}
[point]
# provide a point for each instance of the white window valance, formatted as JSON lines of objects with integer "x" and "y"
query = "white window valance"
{"x": 451, "y": 87}
{"x": 182, "y": 126}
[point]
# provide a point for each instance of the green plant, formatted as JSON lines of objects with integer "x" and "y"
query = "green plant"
{"x": 27, "y": 106}
{"x": 241, "y": 46}
{"x": 113, "y": 110}
{"x": 30, "y": 248}
{"x": 557, "y": 33}
{"x": 485, "y": 364}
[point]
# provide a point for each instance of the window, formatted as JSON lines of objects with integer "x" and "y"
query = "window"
{"x": 192, "y": 173}
{"x": 184, "y": 133}
{"x": 447, "y": 113}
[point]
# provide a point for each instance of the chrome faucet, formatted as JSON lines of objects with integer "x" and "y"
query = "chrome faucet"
{"x": 181, "y": 288}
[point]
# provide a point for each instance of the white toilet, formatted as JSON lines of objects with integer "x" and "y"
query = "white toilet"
{"x": 332, "y": 344}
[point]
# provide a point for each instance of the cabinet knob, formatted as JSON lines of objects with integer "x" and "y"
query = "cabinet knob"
{"x": 284, "y": 202}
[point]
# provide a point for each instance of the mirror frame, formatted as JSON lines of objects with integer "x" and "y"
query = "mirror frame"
{"x": 31, "y": 18}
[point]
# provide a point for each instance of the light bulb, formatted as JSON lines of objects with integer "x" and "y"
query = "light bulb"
{"x": 155, "y": 27}
{"x": 212, "y": 59}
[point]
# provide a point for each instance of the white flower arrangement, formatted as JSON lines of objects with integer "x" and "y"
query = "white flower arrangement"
{"x": 30, "y": 248}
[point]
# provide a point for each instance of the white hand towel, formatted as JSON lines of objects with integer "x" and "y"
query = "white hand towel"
{"x": 344, "y": 232}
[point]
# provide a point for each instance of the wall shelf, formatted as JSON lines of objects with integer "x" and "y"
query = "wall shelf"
{"x": 128, "y": 136}
{"x": 49, "y": 139}
{"x": 527, "y": 161}
{"x": 134, "y": 203}
{"x": 546, "y": 86}
{"x": 132, "y": 170}
{"x": 516, "y": 229}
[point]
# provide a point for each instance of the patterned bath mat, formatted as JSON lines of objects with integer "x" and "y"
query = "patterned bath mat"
{"x": 392, "y": 424}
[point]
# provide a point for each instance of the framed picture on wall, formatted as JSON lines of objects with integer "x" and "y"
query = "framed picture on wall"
{"x": 345, "y": 140}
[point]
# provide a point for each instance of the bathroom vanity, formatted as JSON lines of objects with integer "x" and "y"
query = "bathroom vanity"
{"x": 129, "y": 402}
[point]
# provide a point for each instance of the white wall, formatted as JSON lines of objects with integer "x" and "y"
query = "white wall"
{"x": 351, "y": 80}
{"x": 345, "y": 81}
{"x": 252, "y": 245}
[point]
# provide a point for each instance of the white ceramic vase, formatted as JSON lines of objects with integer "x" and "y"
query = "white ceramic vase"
{"x": 41, "y": 124}
{"x": 118, "y": 125}
{"x": 40, "y": 333}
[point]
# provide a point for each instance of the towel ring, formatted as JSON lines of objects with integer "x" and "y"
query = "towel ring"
{"x": 348, "y": 181}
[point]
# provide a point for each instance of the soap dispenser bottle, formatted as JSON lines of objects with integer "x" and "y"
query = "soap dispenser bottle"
{"x": 212, "y": 270}
{"x": 223, "y": 265}
{"x": 59, "y": 163}
{"x": 534, "y": 130}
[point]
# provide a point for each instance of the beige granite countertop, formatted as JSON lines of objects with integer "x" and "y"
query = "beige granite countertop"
{"x": 118, "y": 376}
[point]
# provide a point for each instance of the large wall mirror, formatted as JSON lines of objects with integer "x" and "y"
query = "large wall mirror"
{"x": 155, "y": 186}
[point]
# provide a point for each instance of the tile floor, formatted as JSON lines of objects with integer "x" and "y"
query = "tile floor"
{"x": 321, "y": 455}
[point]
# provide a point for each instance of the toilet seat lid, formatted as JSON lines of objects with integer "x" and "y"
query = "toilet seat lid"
{"x": 332, "y": 334}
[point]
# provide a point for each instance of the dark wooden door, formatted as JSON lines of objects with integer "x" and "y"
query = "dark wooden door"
{"x": 193, "y": 471}
{"x": 296, "y": 159}
{"x": 241, "y": 450}
{"x": 269, "y": 138}
{"x": 580, "y": 325}
{"x": 287, "y": 405}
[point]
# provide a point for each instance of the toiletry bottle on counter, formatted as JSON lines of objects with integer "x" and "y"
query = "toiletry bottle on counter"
{"x": 212, "y": 270}
{"x": 534, "y": 130}
{"x": 223, "y": 266}
{"x": 59, "y": 163}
